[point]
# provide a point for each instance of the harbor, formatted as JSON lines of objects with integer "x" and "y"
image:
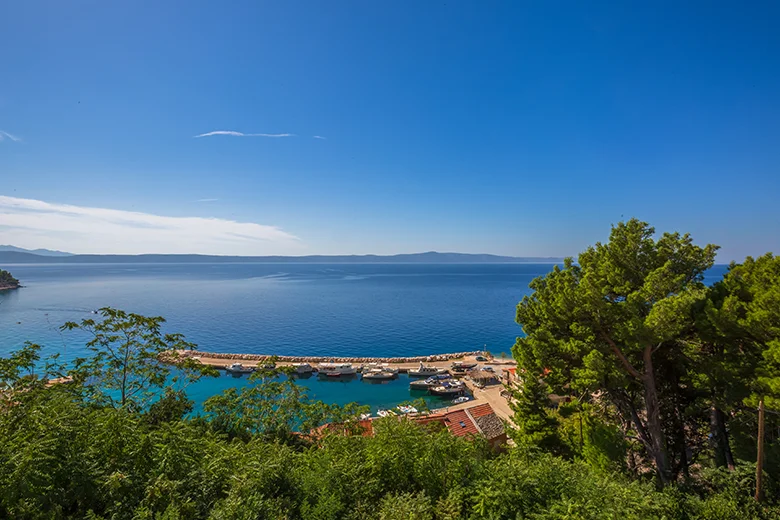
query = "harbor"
{"x": 445, "y": 382}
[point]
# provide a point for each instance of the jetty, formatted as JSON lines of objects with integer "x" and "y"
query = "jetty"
{"x": 403, "y": 364}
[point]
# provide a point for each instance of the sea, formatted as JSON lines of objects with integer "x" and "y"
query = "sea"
{"x": 284, "y": 309}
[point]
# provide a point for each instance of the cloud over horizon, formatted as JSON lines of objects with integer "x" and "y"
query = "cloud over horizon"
{"x": 6, "y": 135}
{"x": 33, "y": 224}
{"x": 233, "y": 133}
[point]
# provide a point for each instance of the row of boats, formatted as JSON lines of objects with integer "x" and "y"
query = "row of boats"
{"x": 437, "y": 381}
{"x": 409, "y": 409}
{"x": 368, "y": 371}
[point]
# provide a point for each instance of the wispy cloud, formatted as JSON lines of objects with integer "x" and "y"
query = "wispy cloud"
{"x": 6, "y": 135}
{"x": 318, "y": 137}
{"x": 241, "y": 134}
{"x": 33, "y": 223}
{"x": 207, "y": 200}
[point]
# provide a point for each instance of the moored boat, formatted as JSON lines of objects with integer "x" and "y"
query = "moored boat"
{"x": 377, "y": 374}
{"x": 460, "y": 366}
{"x": 425, "y": 371}
{"x": 387, "y": 368}
{"x": 303, "y": 368}
{"x": 238, "y": 368}
{"x": 462, "y": 399}
{"x": 425, "y": 384}
{"x": 448, "y": 388}
{"x": 406, "y": 409}
{"x": 336, "y": 369}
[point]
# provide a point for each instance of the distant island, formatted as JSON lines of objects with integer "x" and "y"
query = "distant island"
{"x": 41, "y": 252}
{"x": 432, "y": 257}
{"x": 7, "y": 281}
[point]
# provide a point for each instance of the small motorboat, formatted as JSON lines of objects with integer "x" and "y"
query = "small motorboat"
{"x": 425, "y": 384}
{"x": 406, "y": 409}
{"x": 377, "y": 374}
{"x": 386, "y": 413}
{"x": 462, "y": 399}
{"x": 336, "y": 369}
{"x": 448, "y": 388}
{"x": 238, "y": 368}
{"x": 303, "y": 368}
{"x": 425, "y": 371}
{"x": 460, "y": 366}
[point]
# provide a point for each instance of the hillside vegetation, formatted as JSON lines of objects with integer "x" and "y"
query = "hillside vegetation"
{"x": 662, "y": 373}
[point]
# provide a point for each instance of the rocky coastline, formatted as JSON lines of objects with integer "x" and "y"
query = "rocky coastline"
{"x": 331, "y": 359}
{"x": 7, "y": 281}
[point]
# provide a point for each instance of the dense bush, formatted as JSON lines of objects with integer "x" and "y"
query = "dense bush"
{"x": 64, "y": 457}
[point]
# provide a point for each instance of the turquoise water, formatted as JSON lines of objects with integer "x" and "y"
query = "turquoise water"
{"x": 286, "y": 309}
{"x": 376, "y": 394}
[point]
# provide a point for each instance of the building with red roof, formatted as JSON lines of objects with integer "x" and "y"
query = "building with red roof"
{"x": 479, "y": 420}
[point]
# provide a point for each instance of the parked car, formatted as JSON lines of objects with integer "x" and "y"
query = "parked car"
{"x": 488, "y": 369}
{"x": 481, "y": 358}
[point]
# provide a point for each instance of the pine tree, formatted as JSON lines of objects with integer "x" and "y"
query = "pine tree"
{"x": 537, "y": 427}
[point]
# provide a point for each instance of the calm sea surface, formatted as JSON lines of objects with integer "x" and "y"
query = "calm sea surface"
{"x": 286, "y": 309}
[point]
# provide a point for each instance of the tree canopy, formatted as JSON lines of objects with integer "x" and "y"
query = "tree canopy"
{"x": 632, "y": 333}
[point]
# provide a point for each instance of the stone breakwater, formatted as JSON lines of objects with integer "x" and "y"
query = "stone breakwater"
{"x": 331, "y": 359}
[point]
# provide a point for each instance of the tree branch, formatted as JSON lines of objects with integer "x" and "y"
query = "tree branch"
{"x": 616, "y": 350}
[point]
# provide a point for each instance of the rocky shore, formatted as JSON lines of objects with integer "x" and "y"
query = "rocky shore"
{"x": 7, "y": 281}
{"x": 331, "y": 359}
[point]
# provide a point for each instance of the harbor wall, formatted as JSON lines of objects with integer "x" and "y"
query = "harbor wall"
{"x": 331, "y": 359}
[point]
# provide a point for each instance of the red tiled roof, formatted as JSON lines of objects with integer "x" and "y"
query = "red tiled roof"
{"x": 460, "y": 424}
{"x": 481, "y": 410}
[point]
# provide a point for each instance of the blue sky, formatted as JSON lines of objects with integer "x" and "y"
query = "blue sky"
{"x": 503, "y": 127}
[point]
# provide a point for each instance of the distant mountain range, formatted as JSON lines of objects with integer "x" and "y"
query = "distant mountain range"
{"x": 39, "y": 252}
{"x": 432, "y": 257}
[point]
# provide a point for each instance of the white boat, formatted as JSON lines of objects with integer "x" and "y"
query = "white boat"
{"x": 462, "y": 399}
{"x": 425, "y": 384}
{"x": 303, "y": 368}
{"x": 407, "y": 409}
{"x": 387, "y": 368}
{"x": 377, "y": 374}
{"x": 336, "y": 369}
{"x": 238, "y": 368}
{"x": 425, "y": 371}
{"x": 460, "y": 366}
{"x": 385, "y": 413}
{"x": 448, "y": 388}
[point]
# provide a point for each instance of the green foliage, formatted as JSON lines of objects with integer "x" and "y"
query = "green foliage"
{"x": 272, "y": 408}
{"x": 611, "y": 323}
{"x": 132, "y": 360}
{"x": 537, "y": 425}
{"x": 746, "y": 316}
{"x": 405, "y": 506}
